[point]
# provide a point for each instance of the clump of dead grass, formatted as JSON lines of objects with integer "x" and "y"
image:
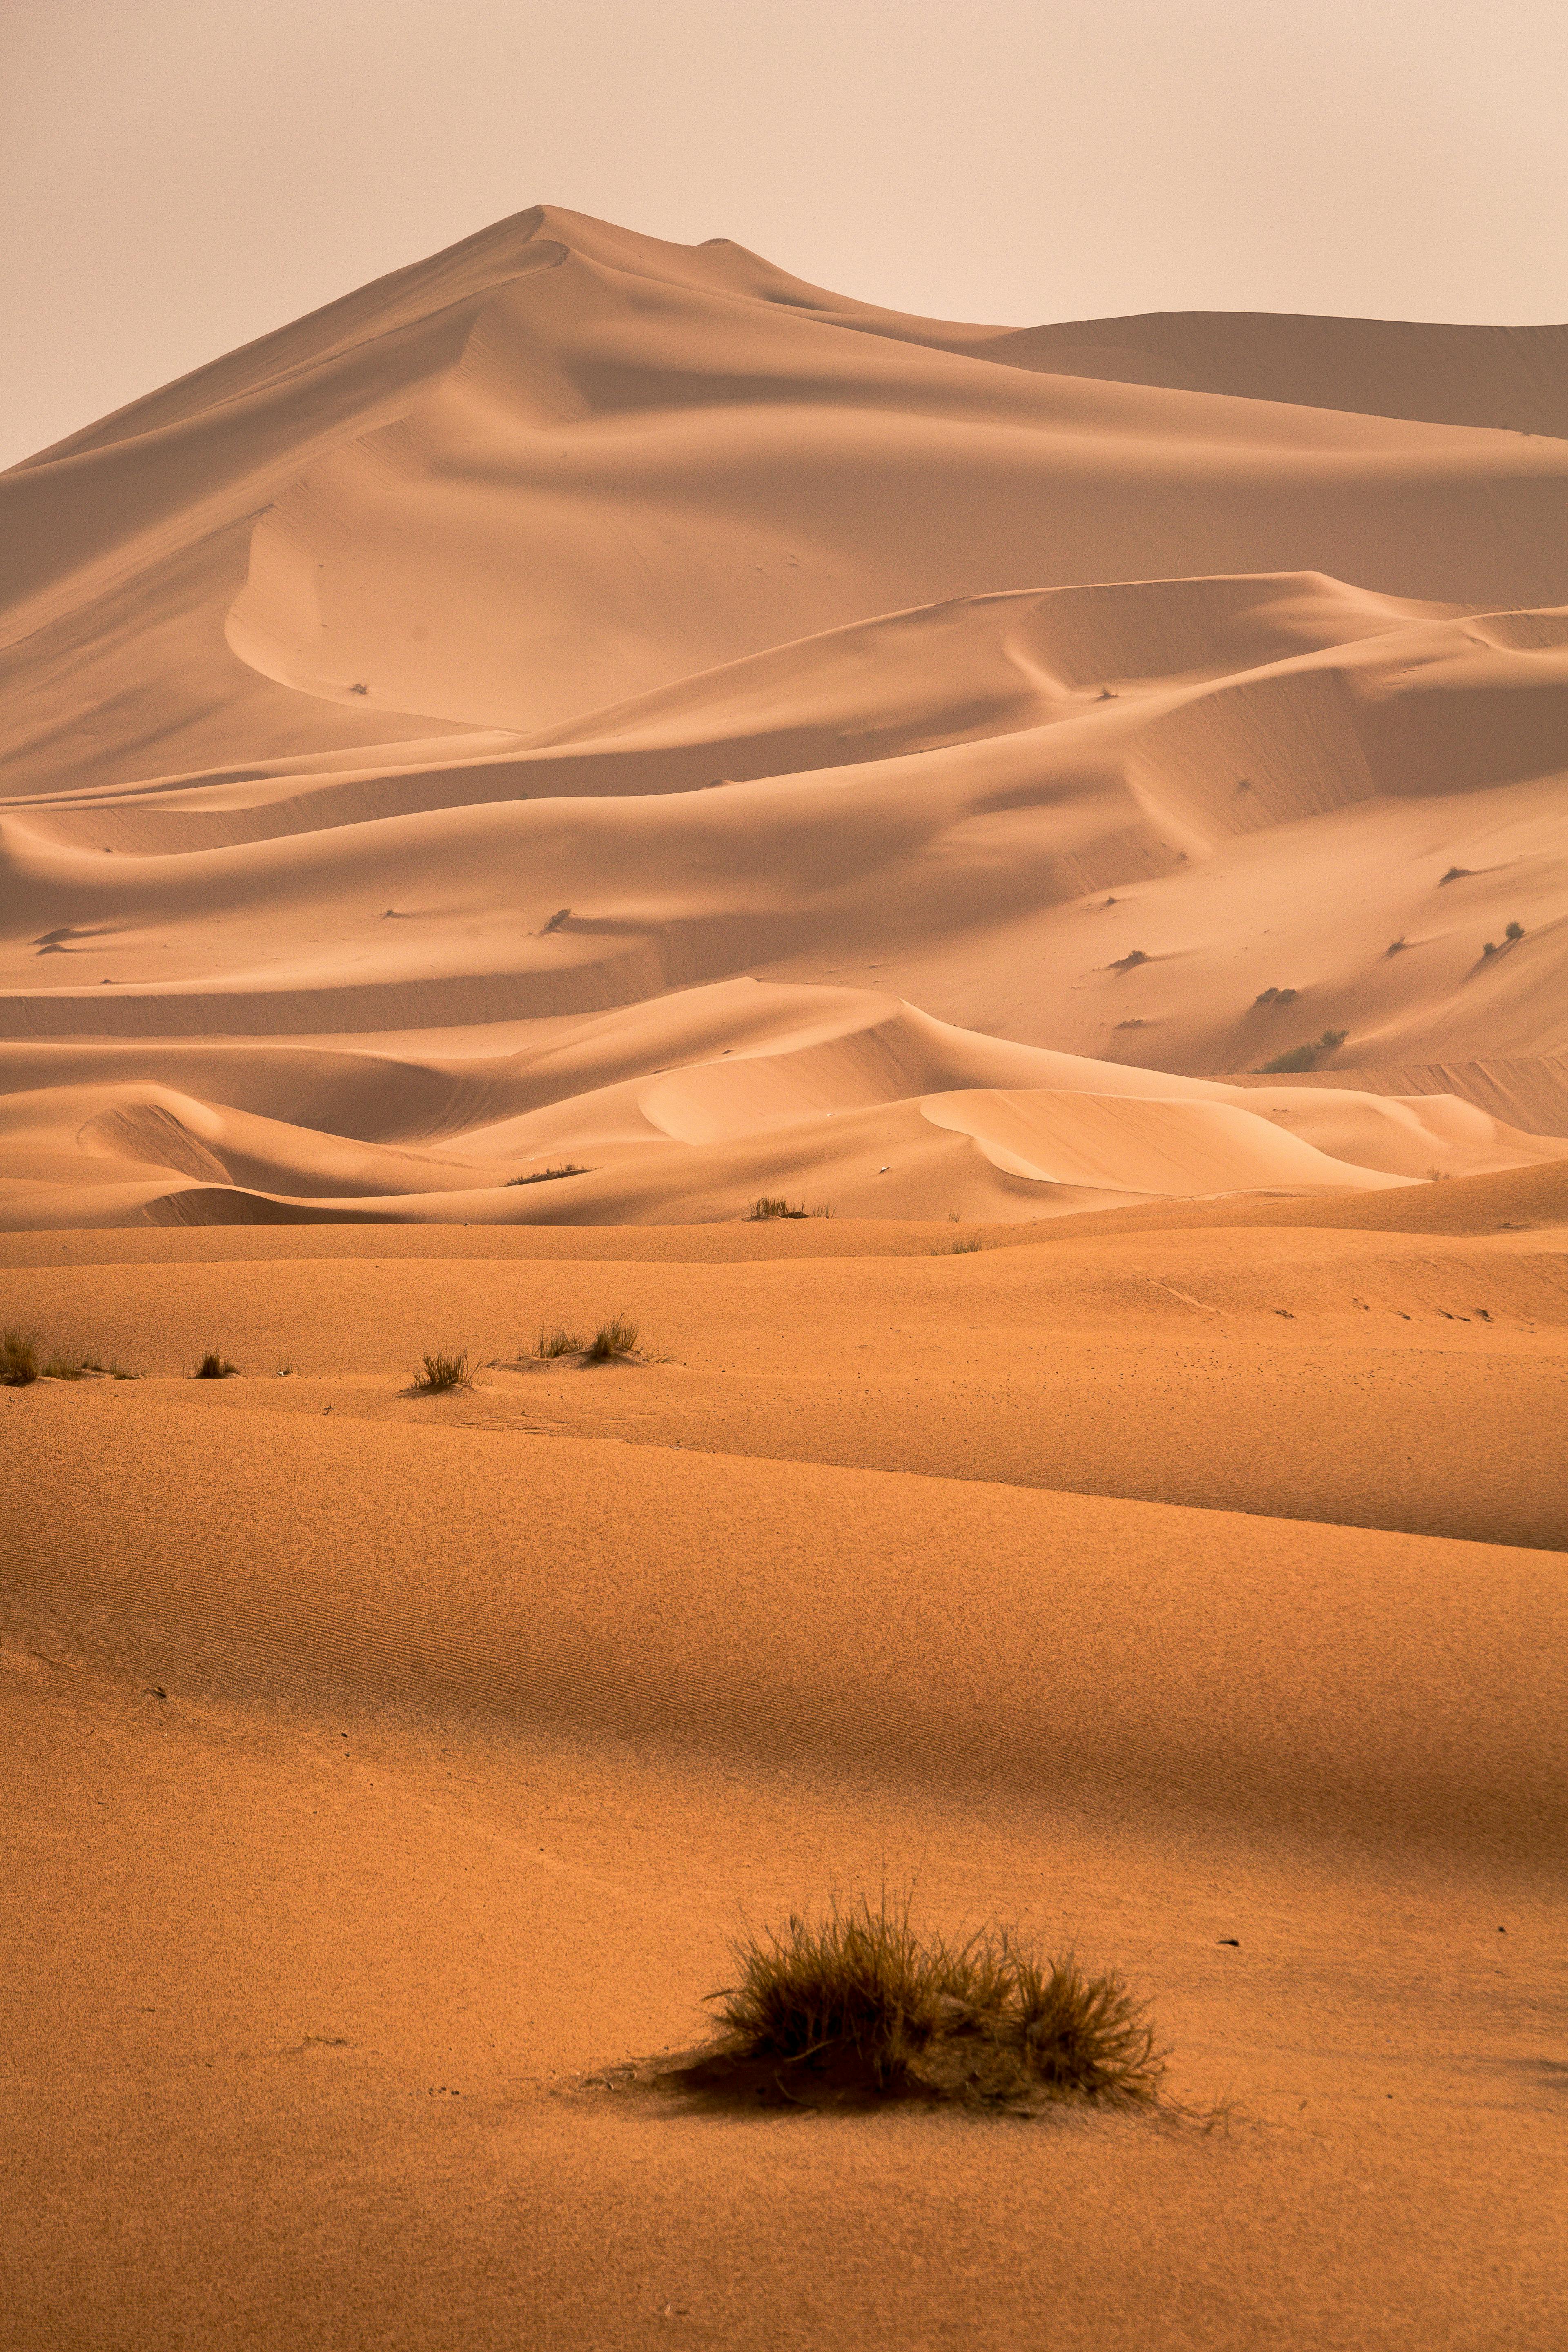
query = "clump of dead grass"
{"x": 550, "y": 1175}
{"x": 215, "y": 1366}
{"x": 558, "y": 1341}
{"x": 768, "y": 1205}
{"x": 443, "y": 1373}
{"x": 613, "y": 1342}
{"x": 18, "y": 1358}
{"x": 858, "y": 2002}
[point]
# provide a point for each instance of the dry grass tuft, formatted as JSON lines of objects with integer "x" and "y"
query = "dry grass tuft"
{"x": 215, "y": 1367}
{"x": 18, "y": 1358}
{"x": 559, "y": 1342}
{"x": 859, "y": 2002}
{"x": 613, "y": 1341}
{"x": 442, "y": 1373}
{"x": 550, "y": 1175}
{"x": 772, "y": 1204}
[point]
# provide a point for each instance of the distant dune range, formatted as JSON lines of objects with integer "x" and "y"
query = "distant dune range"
{"x": 574, "y": 700}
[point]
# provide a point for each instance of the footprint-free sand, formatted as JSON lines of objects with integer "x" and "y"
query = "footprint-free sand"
{"x": 590, "y": 704}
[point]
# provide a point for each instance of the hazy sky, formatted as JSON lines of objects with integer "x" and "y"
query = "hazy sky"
{"x": 178, "y": 176}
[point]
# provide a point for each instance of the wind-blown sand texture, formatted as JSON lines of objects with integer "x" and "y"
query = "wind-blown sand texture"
{"x": 589, "y": 701}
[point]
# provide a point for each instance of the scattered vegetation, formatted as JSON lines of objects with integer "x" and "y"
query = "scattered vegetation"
{"x": 1305, "y": 1058}
{"x": 613, "y": 1342}
{"x": 964, "y": 1248}
{"x": 549, "y": 1175}
{"x": 1395, "y": 947}
{"x": 859, "y": 2002}
{"x": 215, "y": 1367}
{"x": 1438, "y": 1175}
{"x": 562, "y": 915}
{"x": 1455, "y": 874}
{"x": 1514, "y": 931}
{"x": 559, "y": 1342}
{"x": 771, "y": 1205}
{"x": 18, "y": 1359}
{"x": 442, "y": 1373}
{"x": 1276, "y": 996}
{"x": 1129, "y": 961}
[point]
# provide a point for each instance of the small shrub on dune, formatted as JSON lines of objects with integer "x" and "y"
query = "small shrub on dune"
{"x": 966, "y": 1248}
{"x": 859, "y": 2002}
{"x": 215, "y": 1367}
{"x": 549, "y": 1175}
{"x": 18, "y": 1359}
{"x": 442, "y": 1373}
{"x": 773, "y": 1205}
{"x": 64, "y": 1368}
{"x": 1305, "y": 1058}
{"x": 612, "y": 1342}
{"x": 559, "y": 1342}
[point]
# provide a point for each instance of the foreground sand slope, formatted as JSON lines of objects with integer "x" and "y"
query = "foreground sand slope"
{"x": 1391, "y": 1378}
{"x": 384, "y": 1769}
{"x": 573, "y": 619}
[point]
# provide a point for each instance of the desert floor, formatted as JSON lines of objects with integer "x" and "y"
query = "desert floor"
{"x": 1185, "y": 1583}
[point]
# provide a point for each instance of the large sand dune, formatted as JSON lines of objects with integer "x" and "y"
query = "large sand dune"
{"x": 583, "y": 703}
{"x": 574, "y": 623}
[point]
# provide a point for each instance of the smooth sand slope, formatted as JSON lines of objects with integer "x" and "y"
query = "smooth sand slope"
{"x": 385, "y": 1768}
{"x": 575, "y": 624}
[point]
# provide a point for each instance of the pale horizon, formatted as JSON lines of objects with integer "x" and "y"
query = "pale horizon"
{"x": 182, "y": 186}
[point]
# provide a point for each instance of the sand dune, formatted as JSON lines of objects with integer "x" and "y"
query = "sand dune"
{"x": 574, "y": 620}
{"x": 608, "y": 713}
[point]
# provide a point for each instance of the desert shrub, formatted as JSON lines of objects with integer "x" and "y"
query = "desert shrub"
{"x": 1305, "y": 1058}
{"x": 215, "y": 1367}
{"x": 549, "y": 1175}
{"x": 1514, "y": 931}
{"x": 18, "y": 1358}
{"x": 443, "y": 1373}
{"x": 559, "y": 1342}
{"x": 860, "y": 1998}
{"x": 61, "y": 1367}
{"x": 1276, "y": 996}
{"x": 966, "y": 1248}
{"x": 1455, "y": 874}
{"x": 773, "y": 1205}
{"x": 1131, "y": 960}
{"x": 1395, "y": 947}
{"x": 613, "y": 1339}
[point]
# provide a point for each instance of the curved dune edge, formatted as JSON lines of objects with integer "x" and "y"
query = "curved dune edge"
{"x": 841, "y": 1100}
